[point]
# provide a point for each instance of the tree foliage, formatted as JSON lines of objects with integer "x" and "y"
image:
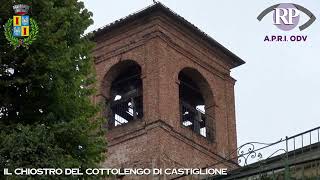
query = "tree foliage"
{"x": 46, "y": 116}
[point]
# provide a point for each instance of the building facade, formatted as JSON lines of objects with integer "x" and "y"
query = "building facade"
{"x": 167, "y": 90}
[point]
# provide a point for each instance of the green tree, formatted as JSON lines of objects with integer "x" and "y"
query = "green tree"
{"x": 46, "y": 116}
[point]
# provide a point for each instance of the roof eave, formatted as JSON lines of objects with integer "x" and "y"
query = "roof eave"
{"x": 235, "y": 60}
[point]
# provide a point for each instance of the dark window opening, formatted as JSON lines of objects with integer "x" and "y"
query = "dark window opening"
{"x": 192, "y": 103}
{"x": 126, "y": 93}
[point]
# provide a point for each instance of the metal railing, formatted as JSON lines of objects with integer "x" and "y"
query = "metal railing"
{"x": 294, "y": 157}
{"x": 196, "y": 119}
{"x": 124, "y": 111}
{"x": 255, "y": 151}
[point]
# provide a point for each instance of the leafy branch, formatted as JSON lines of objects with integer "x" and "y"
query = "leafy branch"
{"x": 8, "y": 33}
{"x": 33, "y": 34}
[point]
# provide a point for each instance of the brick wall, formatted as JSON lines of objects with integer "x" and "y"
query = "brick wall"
{"x": 163, "y": 47}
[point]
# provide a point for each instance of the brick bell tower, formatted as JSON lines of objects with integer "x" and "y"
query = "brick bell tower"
{"x": 168, "y": 92}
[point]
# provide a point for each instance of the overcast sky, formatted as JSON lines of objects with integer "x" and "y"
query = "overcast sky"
{"x": 278, "y": 89}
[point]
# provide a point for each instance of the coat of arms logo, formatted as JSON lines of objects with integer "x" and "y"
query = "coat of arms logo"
{"x": 21, "y": 30}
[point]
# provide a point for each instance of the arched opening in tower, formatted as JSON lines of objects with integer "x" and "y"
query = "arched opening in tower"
{"x": 126, "y": 94}
{"x": 196, "y": 102}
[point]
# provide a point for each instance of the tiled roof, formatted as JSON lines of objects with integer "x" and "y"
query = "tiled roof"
{"x": 236, "y": 61}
